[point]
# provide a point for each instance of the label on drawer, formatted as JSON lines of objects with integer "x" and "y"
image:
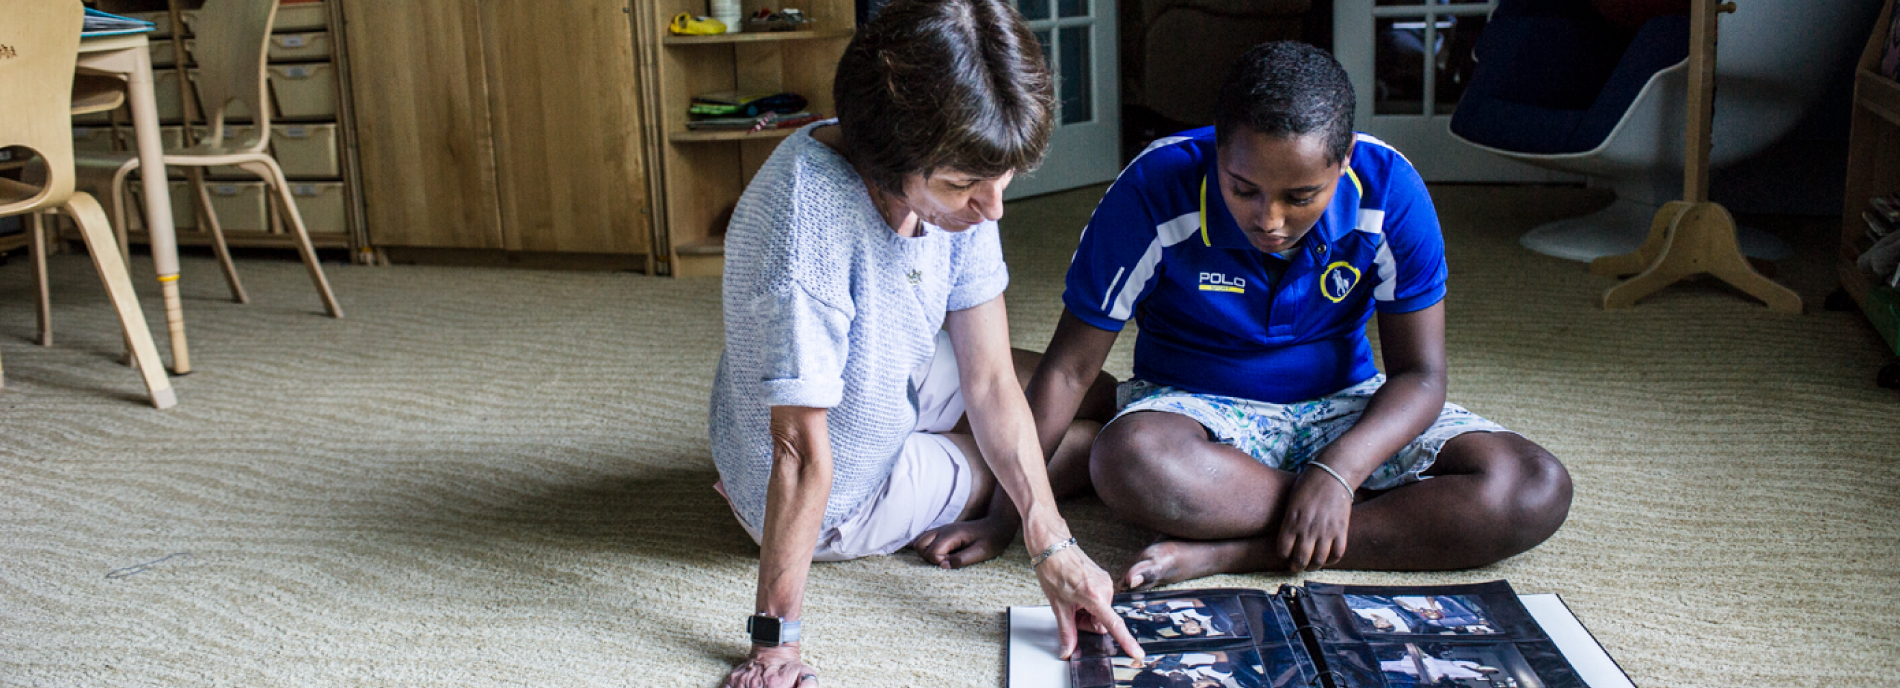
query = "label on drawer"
{"x": 305, "y": 190}
{"x": 291, "y": 41}
{"x": 296, "y": 132}
{"x": 298, "y": 72}
{"x": 224, "y": 189}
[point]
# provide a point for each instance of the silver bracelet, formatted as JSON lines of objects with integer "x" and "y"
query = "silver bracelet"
{"x": 1336, "y": 476}
{"x": 1037, "y": 560}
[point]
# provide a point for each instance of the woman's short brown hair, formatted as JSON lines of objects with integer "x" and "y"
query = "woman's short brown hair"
{"x": 944, "y": 84}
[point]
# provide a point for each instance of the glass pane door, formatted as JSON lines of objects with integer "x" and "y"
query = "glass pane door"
{"x": 1078, "y": 41}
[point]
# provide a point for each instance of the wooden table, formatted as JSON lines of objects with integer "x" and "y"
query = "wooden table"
{"x": 129, "y": 57}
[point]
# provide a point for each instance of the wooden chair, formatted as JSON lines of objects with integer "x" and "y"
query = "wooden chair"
{"x": 232, "y": 36}
{"x": 97, "y": 93}
{"x": 36, "y": 78}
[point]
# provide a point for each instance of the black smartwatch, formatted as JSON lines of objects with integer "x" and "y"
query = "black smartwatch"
{"x": 771, "y": 631}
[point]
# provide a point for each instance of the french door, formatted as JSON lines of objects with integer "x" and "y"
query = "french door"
{"x": 1079, "y": 42}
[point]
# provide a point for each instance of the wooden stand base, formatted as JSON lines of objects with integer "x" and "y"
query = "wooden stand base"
{"x": 1688, "y": 239}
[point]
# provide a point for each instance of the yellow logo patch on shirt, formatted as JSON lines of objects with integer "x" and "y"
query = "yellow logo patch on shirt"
{"x": 1214, "y": 281}
{"x": 1337, "y": 281}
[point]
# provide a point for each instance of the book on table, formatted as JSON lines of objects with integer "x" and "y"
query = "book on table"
{"x": 1481, "y": 635}
{"x": 99, "y": 23}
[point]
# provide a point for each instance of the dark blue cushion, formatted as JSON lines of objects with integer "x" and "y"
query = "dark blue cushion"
{"x": 1555, "y": 77}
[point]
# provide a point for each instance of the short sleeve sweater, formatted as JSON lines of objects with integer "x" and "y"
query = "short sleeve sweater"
{"x": 827, "y": 307}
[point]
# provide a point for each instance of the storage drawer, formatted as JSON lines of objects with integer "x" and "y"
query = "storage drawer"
{"x": 238, "y": 112}
{"x": 184, "y": 208}
{"x": 172, "y": 137}
{"x": 306, "y": 150}
{"x": 304, "y": 91}
{"x": 190, "y": 18}
{"x": 240, "y": 205}
{"x": 165, "y": 96}
{"x": 321, "y": 206}
{"x": 162, "y": 54}
{"x": 295, "y": 47}
{"x": 92, "y": 139}
{"x": 233, "y": 134}
{"x": 161, "y": 22}
{"x": 301, "y": 15}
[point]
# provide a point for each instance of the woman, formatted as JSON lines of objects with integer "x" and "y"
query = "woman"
{"x": 864, "y": 317}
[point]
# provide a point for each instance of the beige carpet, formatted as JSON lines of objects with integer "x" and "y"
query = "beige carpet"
{"x": 500, "y": 478}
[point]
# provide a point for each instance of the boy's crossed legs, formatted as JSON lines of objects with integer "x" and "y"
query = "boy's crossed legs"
{"x": 1487, "y": 496}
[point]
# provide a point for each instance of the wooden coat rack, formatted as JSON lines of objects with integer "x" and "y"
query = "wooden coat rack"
{"x": 1693, "y": 236}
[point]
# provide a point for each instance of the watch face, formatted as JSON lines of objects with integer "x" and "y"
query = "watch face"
{"x": 765, "y": 629}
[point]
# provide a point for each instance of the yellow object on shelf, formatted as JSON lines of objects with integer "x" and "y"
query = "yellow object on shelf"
{"x": 688, "y": 25}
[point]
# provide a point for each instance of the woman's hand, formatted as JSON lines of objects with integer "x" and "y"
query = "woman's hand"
{"x": 1081, "y": 593}
{"x": 773, "y": 667}
{"x": 1313, "y": 533}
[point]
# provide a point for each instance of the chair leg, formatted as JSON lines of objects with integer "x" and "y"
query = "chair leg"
{"x": 121, "y": 226}
{"x": 217, "y": 235}
{"x": 1632, "y": 263}
{"x": 1700, "y": 238}
{"x": 44, "y": 303}
{"x": 100, "y": 243}
{"x": 280, "y": 190}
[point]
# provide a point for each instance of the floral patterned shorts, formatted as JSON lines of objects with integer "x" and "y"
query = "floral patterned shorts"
{"x": 1287, "y": 436}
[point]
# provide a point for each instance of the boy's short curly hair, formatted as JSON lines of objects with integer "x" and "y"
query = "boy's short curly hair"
{"x": 936, "y": 84}
{"x": 1287, "y": 89}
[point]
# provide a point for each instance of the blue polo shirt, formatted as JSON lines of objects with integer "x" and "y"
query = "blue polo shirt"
{"x": 1219, "y": 316}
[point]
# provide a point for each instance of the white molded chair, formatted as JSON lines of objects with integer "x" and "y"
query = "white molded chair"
{"x": 1774, "y": 59}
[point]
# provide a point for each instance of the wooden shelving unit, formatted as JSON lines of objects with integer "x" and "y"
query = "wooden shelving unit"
{"x": 1873, "y": 169}
{"x": 707, "y": 136}
{"x": 701, "y": 174}
{"x": 760, "y": 37}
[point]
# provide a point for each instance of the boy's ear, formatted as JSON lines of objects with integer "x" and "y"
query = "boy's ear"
{"x": 1346, "y": 162}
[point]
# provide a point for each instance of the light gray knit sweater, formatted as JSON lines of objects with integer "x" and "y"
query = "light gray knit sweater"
{"x": 827, "y": 307}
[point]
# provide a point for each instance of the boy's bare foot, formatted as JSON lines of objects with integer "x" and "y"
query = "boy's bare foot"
{"x": 1169, "y": 561}
{"x": 964, "y": 543}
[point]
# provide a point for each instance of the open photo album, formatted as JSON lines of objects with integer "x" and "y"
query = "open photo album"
{"x": 1480, "y": 635}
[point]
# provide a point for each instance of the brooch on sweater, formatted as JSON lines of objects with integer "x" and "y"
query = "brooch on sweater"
{"x": 915, "y": 276}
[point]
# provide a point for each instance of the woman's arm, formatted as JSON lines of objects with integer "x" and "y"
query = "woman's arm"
{"x": 794, "y": 509}
{"x": 1006, "y": 435}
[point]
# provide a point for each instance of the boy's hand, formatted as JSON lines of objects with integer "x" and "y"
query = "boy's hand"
{"x": 1313, "y": 533}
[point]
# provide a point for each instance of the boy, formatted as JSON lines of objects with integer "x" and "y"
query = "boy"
{"x": 1256, "y": 433}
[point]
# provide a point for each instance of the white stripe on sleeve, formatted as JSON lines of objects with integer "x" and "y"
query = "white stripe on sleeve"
{"x": 1167, "y": 234}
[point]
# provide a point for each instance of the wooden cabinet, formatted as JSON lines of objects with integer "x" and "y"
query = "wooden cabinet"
{"x": 417, "y": 80}
{"x": 1873, "y": 169}
{"x": 703, "y": 173}
{"x": 506, "y": 125}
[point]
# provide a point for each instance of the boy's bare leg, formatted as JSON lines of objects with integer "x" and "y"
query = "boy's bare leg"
{"x": 1491, "y": 496}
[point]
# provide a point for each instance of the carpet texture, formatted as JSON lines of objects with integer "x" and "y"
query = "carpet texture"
{"x": 496, "y": 477}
